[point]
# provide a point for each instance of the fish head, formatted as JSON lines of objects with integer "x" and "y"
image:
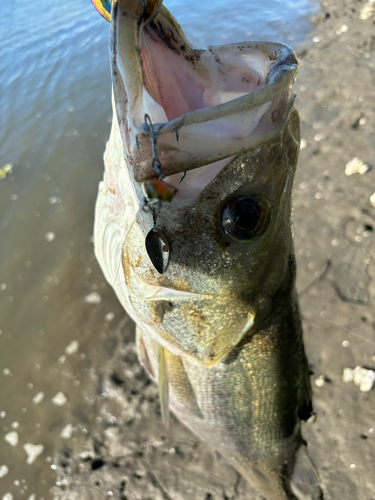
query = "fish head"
{"x": 200, "y": 272}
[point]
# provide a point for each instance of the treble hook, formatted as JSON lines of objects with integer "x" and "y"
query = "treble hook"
{"x": 156, "y": 164}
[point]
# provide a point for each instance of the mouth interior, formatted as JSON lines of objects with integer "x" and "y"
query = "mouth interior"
{"x": 176, "y": 83}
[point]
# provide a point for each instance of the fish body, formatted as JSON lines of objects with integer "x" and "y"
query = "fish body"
{"x": 209, "y": 277}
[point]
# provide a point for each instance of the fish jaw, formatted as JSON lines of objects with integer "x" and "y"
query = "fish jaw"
{"x": 204, "y": 328}
{"x": 221, "y": 100}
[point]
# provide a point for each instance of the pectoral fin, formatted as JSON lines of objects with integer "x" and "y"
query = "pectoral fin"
{"x": 163, "y": 385}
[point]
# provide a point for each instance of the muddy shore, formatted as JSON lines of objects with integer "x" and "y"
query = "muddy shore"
{"x": 121, "y": 450}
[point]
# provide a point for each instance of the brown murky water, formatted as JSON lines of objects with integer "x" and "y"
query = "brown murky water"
{"x": 55, "y": 307}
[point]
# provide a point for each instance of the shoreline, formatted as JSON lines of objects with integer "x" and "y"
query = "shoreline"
{"x": 128, "y": 454}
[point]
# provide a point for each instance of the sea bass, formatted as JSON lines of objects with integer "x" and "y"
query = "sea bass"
{"x": 193, "y": 231}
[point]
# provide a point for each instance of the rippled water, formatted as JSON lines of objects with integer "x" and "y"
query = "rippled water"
{"x": 54, "y": 121}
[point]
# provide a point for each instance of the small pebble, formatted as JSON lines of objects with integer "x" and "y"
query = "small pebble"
{"x": 356, "y": 166}
{"x": 32, "y": 451}
{"x": 60, "y": 399}
{"x": 53, "y": 200}
{"x": 347, "y": 375}
{"x": 367, "y": 11}
{"x": 372, "y": 200}
{"x": 320, "y": 381}
{"x": 11, "y": 438}
{"x": 3, "y": 470}
{"x": 50, "y": 236}
{"x": 343, "y": 29}
{"x": 38, "y": 398}
{"x": 5, "y": 170}
{"x": 109, "y": 316}
{"x": 93, "y": 298}
{"x": 67, "y": 431}
{"x": 72, "y": 348}
{"x": 61, "y": 359}
{"x": 312, "y": 419}
{"x": 362, "y": 378}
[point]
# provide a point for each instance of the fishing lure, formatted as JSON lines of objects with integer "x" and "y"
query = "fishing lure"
{"x": 104, "y": 8}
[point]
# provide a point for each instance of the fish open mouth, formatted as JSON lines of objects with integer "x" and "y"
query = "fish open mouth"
{"x": 204, "y": 105}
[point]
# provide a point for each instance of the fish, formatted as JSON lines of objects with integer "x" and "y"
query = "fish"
{"x": 193, "y": 230}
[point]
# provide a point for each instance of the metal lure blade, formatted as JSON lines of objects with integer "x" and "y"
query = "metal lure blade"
{"x": 104, "y": 8}
{"x": 157, "y": 249}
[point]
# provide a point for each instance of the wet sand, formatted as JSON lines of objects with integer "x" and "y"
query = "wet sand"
{"x": 110, "y": 437}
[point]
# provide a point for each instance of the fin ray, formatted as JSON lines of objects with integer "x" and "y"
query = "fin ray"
{"x": 163, "y": 385}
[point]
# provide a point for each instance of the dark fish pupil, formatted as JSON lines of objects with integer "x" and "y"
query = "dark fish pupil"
{"x": 157, "y": 249}
{"x": 246, "y": 217}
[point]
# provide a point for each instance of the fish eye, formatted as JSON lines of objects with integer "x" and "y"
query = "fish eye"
{"x": 245, "y": 218}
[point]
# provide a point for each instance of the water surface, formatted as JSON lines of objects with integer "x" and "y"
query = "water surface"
{"x": 55, "y": 307}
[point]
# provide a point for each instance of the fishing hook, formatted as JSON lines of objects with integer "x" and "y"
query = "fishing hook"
{"x": 155, "y": 164}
